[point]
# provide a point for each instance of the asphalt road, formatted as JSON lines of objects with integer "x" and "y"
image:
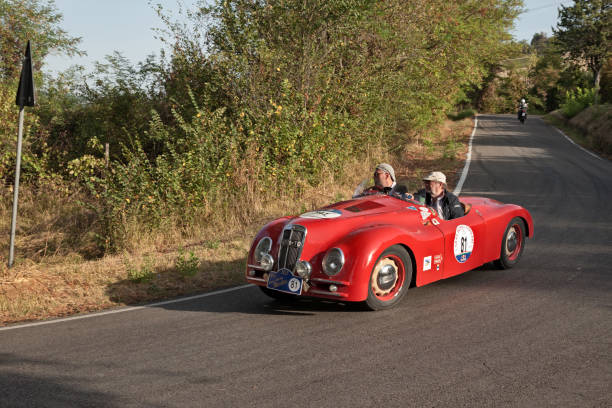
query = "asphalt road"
{"x": 538, "y": 335}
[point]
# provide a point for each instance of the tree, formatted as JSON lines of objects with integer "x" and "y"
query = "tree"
{"x": 584, "y": 32}
{"x": 20, "y": 21}
{"x": 35, "y": 20}
{"x": 539, "y": 42}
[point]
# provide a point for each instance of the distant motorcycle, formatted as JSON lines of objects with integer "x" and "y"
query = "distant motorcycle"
{"x": 522, "y": 115}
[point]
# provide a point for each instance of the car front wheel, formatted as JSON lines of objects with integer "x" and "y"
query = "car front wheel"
{"x": 389, "y": 278}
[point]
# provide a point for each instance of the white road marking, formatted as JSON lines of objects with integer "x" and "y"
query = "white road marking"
{"x": 468, "y": 159}
{"x": 126, "y": 309}
{"x": 578, "y": 146}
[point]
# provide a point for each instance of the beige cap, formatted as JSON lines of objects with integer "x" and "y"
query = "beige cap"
{"x": 436, "y": 176}
{"x": 387, "y": 168}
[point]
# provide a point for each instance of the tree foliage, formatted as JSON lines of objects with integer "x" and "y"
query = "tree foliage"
{"x": 584, "y": 32}
{"x": 34, "y": 20}
{"x": 539, "y": 43}
{"x": 20, "y": 21}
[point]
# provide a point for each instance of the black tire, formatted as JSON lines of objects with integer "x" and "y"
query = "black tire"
{"x": 279, "y": 296}
{"x": 512, "y": 245}
{"x": 389, "y": 279}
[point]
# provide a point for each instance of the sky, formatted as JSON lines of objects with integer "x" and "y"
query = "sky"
{"x": 126, "y": 26}
{"x": 106, "y": 26}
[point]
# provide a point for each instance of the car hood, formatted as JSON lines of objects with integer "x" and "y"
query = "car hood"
{"x": 327, "y": 225}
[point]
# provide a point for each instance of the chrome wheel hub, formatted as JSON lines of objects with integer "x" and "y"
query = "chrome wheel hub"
{"x": 511, "y": 241}
{"x": 384, "y": 277}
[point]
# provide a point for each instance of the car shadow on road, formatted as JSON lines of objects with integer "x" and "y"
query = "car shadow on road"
{"x": 218, "y": 287}
{"x": 250, "y": 300}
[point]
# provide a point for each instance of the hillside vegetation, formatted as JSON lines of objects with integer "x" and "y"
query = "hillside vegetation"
{"x": 257, "y": 103}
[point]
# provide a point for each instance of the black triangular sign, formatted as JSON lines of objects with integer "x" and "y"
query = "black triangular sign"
{"x": 25, "y": 92}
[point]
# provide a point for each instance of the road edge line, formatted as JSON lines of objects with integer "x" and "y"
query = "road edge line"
{"x": 125, "y": 309}
{"x": 576, "y": 144}
{"x": 468, "y": 159}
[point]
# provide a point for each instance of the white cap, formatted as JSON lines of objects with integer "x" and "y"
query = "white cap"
{"x": 436, "y": 176}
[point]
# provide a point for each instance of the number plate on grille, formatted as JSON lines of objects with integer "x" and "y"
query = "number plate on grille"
{"x": 285, "y": 281}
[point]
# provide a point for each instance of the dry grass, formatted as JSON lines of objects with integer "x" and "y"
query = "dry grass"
{"x": 443, "y": 152}
{"x": 55, "y": 276}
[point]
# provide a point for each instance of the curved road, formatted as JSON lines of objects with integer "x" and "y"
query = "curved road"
{"x": 538, "y": 335}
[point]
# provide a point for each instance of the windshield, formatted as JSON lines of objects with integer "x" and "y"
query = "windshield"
{"x": 399, "y": 191}
{"x": 361, "y": 187}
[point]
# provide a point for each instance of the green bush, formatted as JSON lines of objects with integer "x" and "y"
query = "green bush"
{"x": 187, "y": 266}
{"x": 577, "y": 101}
{"x": 141, "y": 274}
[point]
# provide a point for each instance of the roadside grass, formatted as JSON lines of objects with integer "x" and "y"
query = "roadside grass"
{"x": 57, "y": 273}
{"x": 443, "y": 151}
{"x": 570, "y": 131}
{"x": 589, "y": 128}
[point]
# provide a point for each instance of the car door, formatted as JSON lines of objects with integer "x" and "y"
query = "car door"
{"x": 463, "y": 243}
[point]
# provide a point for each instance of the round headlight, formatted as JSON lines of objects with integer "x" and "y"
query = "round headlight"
{"x": 263, "y": 247}
{"x": 333, "y": 261}
{"x": 267, "y": 262}
{"x": 303, "y": 269}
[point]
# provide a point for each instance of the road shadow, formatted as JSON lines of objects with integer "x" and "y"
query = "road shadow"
{"x": 20, "y": 389}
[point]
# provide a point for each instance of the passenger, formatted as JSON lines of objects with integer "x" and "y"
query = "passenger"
{"x": 434, "y": 194}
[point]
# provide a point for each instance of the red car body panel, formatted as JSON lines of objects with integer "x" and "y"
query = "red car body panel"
{"x": 363, "y": 228}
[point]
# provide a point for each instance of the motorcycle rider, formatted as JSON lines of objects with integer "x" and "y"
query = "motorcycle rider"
{"x": 522, "y": 106}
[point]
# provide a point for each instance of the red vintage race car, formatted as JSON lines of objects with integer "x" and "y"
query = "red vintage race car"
{"x": 372, "y": 249}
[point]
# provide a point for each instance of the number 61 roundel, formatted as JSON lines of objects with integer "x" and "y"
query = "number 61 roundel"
{"x": 464, "y": 243}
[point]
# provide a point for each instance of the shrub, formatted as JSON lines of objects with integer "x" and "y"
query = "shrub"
{"x": 577, "y": 101}
{"x": 187, "y": 266}
{"x": 143, "y": 273}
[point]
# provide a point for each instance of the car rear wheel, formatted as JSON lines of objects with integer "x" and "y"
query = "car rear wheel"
{"x": 513, "y": 244}
{"x": 389, "y": 279}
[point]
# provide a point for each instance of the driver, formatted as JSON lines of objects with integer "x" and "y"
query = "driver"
{"x": 384, "y": 180}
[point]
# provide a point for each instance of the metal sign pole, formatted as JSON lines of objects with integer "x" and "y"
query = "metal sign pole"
{"x": 16, "y": 190}
{"x": 25, "y": 97}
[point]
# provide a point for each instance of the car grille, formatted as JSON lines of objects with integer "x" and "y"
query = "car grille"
{"x": 291, "y": 246}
